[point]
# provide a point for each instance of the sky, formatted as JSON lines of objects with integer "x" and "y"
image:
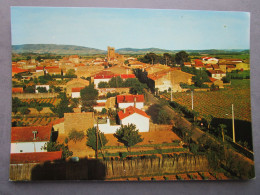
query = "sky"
{"x": 130, "y": 28}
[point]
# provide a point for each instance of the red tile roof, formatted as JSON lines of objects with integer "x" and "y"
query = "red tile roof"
{"x": 129, "y": 98}
{"x": 76, "y": 89}
{"x": 57, "y": 121}
{"x": 104, "y": 76}
{"x": 216, "y": 71}
{"x": 25, "y": 134}
{"x": 212, "y": 79}
{"x": 35, "y": 157}
{"x": 18, "y": 70}
{"x": 39, "y": 68}
{"x": 129, "y": 111}
{"x": 17, "y": 90}
{"x": 198, "y": 62}
{"x": 127, "y": 76}
{"x": 102, "y": 104}
{"x": 51, "y": 67}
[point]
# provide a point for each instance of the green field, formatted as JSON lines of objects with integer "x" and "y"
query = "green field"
{"x": 218, "y": 103}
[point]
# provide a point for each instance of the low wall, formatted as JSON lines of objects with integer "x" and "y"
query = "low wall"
{"x": 34, "y": 95}
{"x": 156, "y": 127}
{"x": 92, "y": 169}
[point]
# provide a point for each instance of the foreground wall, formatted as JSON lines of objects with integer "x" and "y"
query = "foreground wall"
{"x": 91, "y": 169}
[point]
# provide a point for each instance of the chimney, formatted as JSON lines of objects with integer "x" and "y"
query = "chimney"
{"x": 134, "y": 101}
{"x": 34, "y": 134}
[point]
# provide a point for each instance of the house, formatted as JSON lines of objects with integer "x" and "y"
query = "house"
{"x": 216, "y": 82}
{"x": 132, "y": 115}
{"x": 30, "y": 139}
{"x": 74, "y": 59}
{"x": 209, "y": 60}
{"x": 242, "y": 66}
{"x": 34, "y": 157}
{"x": 187, "y": 64}
{"x": 47, "y": 87}
{"x": 217, "y": 74}
{"x": 78, "y": 121}
{"x": 75, "y": 83}
{"x": 17, "y": 90}
{"x": 75, "y": 92}
{"x": 105, "y": 127}
{"x": 16, "y": 70}
{"x": 100, "y": 104}
{"x": 124, "y": 101}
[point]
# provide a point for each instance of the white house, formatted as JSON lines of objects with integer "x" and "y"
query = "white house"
{"x": 124, "y": 101}
{"x": 102, "y": 78}
{"x": 30, "y": 139}
{"x": 47, "y": 87}
{"x": 100, "y": 105}
{"x": 106, "y": 128}
{"x": 75, "y": 92}
{"x": 132, "y": 115}
{"x": 217, "y": 74}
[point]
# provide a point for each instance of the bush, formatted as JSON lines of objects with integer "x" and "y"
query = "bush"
{"x": 76, "y": 135}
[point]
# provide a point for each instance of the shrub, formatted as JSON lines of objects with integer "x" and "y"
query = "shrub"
{"x": 76, "y": 135}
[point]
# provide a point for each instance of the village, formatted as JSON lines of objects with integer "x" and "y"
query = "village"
{"x": 114, "y": 108}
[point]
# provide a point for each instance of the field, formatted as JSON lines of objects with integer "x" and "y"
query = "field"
{"x": 36, "y": 121}
{"x": 53, "y": 101}
{"x": 218, "y": 103}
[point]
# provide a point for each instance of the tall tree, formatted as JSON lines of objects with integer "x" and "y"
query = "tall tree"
{"x": 63, "y": 106}
{"x": 89, "y": 95}
{"x": 181, "y": 57}
{"x": 91, "y": 138}
{"x": 128, "y": 134}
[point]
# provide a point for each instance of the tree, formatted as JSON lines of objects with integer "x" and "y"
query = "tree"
{"x": 29, "y": 89}
{"x": 138, "y": 88}
{"x": 116, "y": 82}
{"x": 163, "y": 117}
{"x": 63, "y": 106}
{"x": 181, "y": 57}
{"x": 128, "y": 134}
{"x": 89, "y": 96}
{"x": 91, "y": 138}
{"x": 16, "y": 103}
{"x": 226, "y": 79}
{"x": 209, "y": 119}
{"x": 18, "y": 76}
{"x": 42, "y": 89}
{"x": 39, "y": 108}
{"x": 223, "y": 131}
{"x": 195, "y": 115}
{"x": 76, "y": 135}
{"x": 104, "y": 111}
{"x": 70, "y": 73}
{"x": 103, "y": 85}
{"x": 53, "y": 146}
{"x": 24, "y": 110}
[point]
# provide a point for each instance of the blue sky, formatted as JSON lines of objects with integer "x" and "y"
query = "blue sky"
{"x": 135, "y": 28}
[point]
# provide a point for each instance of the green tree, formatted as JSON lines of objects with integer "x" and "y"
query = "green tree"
{"x": 42, "y": 89}
{"x": 209, "y": 119}
{"x": 138, "y": 88}
{"x": 223, "y": 131}
{"x": 91, "y": 138}
{"x": 128, "y": 134}
{"x": 76, "y": 135}
{"x": 29, "y": 89}
{"x": 103, "y": 85}
{"x": 39, "y": 108}
{"x": 63, "y": 106}
{"x": 24, "y": 110}
{"x": 18, "y": 76}
{"x": 89, "y": 96}
{"x": 53, "y": 146}
{"x": 116, "y": 82}
{"x": 71, "y": 73}
{"x": 181, "y": 57}
{"x": 163, "y": 117}
{"x": 104, "y": 111}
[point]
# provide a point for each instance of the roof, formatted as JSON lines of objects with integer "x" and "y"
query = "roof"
{"x": 127, "y": 76}
{"x": 212, "y": 79}
{"x": 104, "y": 76}
{"x": 78, "y": 80}
{"x": 39, "y": 68}
{"x": 216, "y": 71}
{"x": 198, "y": 62}
{"x": 102, "y": 104}
{"x": 129, "y": 98}
{"x": 76, "y": 89}
{"x": 129, "y": 111}
{"x": 187, "y": 63}
{"x": 17, "y": 90}
{"x": 51, "y": 67}
{"x": 25, "y": 134}
{"x": 35, "y": 157}
{"x": 18, "y": 70}
{"x": 159, "y": 74}
{"x": 57, "y": 121}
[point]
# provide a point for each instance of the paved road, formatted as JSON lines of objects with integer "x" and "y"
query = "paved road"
{"x": 196, "y": 132}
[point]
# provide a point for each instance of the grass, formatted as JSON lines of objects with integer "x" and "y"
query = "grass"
{"x": 175, "y": 143}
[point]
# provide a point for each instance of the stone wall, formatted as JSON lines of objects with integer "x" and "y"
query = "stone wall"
{"x": 34, "y": 95}
{"x": 78, "y": 121}
{"x": 91, "y": 169}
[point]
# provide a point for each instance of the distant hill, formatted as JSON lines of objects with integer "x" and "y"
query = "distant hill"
{"x": 142, "y": 51}
{"x": 55, "y": 49}
{"x": 80, "y": 50}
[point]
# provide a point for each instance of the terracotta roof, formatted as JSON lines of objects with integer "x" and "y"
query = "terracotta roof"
{"x": 198, "y": 62}
{"x": 104, "y": 76}
{"x": 212, "y": 79}
{"x": 129, "y": 111}
{"x": 76, "y": 89}
{"x": 78, "y": 80}
{"x": 25, "y": 134}
{"x": 127, "y": 76}
{"x": 58, "y": 70}
{"x": 187, "y": 63}
{"x": 216, "y": 71}
{"x": 102, "y": 104}
{"x": 57, "y": 121}
{"x": 129, "y": 98}
{"x": 35, "y": 157}
{"x": 18, "y": 70}
{"x": 231, "y": 66}
{"x": 39, "y": 68}
{"x": 17, "y": 90}
{"x": 51, "y": 67}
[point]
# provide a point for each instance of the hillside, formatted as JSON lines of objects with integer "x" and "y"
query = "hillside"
{"x": 142, "y": 51}
{"x": 55, "y": 49}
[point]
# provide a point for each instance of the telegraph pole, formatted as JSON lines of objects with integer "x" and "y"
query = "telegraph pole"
{"x": 171, "y": 94}
{"x": 192, "y": 100}
{"x": 233, "y": 124}
{"x": 97, "y": 140}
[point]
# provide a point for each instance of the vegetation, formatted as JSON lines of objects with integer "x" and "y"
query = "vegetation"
{"x": 128, "y": 135}
{"x": 91, "y": 138}
{"x": 53, "y": 146}
{"x": 89, "y": 96}
{"x": 63, "y": 106}
{"x": 75, "y": 135}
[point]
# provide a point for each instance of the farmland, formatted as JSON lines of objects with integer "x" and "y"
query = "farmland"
{"x": 53, "y": 101}
{"x": 218, "y": 103}
{"x": 35, "y": 121}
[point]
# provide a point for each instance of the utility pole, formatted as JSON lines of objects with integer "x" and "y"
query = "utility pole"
{"x": 171, "y": 94}
{"x": 192, "y": 100}
{"x": 97, "y": 140}
{"x": 233, "y": 124}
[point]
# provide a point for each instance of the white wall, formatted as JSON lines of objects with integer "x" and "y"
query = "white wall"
{"x": 75, "y": 94}
{"x": 139, "y": 105}
{"x": 107, "y": 128}
{"x": 22, "y": 147}
{"x": 141, "y": 122}
{"x": 47, "y": 87}
{"x": 97, "y": 81}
